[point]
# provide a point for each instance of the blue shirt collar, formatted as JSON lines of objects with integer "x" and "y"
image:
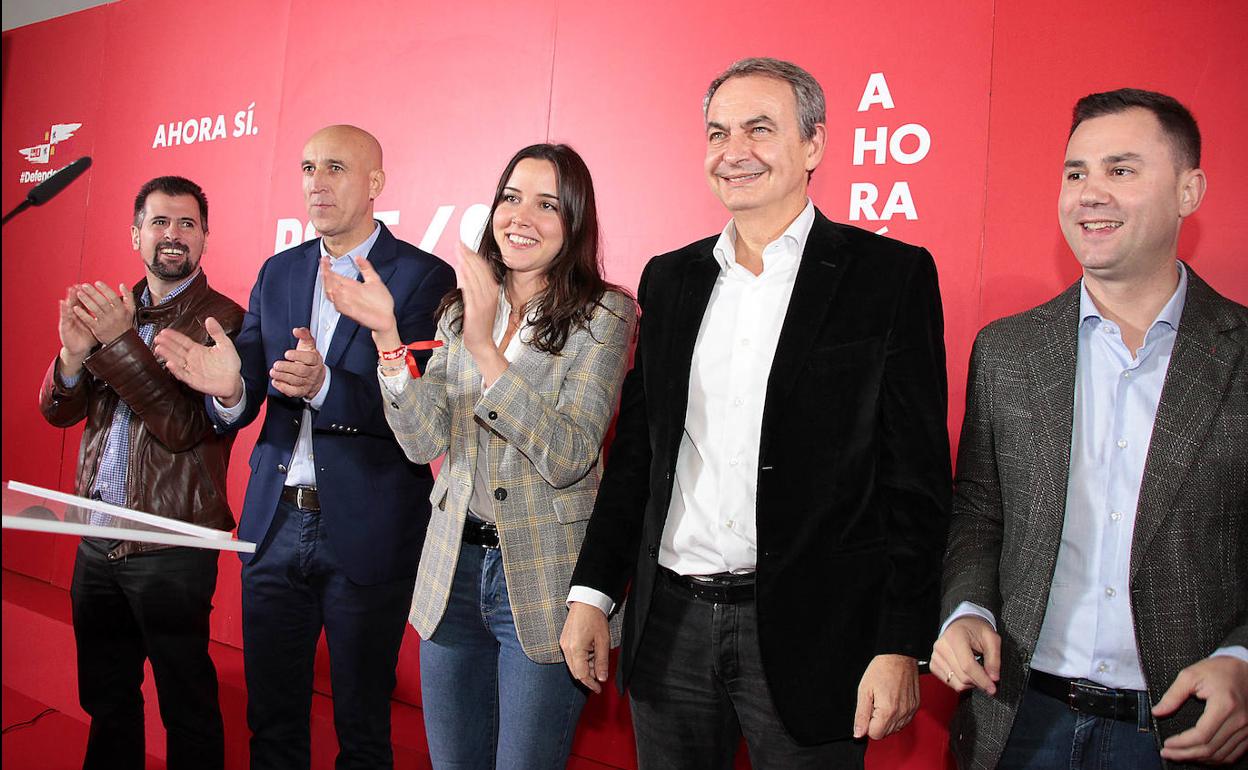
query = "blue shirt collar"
{"x": 362, "y": 250}
{"x": 1169, "y": 315}
{"x": 146, "y": 298}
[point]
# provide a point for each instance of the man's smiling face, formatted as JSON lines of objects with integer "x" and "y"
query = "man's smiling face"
{"x": 756, "y": 158}
{"x": 1123, "y": 195}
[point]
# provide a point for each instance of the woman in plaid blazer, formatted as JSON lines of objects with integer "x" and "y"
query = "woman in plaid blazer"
{"x": 518, "y": 399}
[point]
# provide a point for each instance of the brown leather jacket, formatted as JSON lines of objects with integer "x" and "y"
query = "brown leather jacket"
{"x": 178, "y": 462}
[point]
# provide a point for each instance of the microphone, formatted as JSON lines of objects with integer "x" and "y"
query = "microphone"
{"x": 48, "y": 188}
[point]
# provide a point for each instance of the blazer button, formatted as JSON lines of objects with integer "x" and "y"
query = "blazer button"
{"x": 493, "y": 415}
{"x": 281, "y": 468}
{"x": 653, "y": 551}
{"x": 500, "y": 494}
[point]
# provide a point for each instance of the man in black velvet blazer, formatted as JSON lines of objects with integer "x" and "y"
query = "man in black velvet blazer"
{"x": 779, "y": 487}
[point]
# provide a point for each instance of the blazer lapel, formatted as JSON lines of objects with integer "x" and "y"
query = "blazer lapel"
{"x": 814, "y": 291}
{"x": 1050, "y": 367}
{"x": 303, "y": 284}
{"x": 382, "y": 258}
{"x": 1204, "y": 359}
{"x": 697, "y": 282}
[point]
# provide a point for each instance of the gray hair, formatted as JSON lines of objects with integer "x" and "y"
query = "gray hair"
{"x": 811, "y": 108}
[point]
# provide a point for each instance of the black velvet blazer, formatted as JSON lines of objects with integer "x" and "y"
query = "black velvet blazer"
{"x": 854, "y": 472}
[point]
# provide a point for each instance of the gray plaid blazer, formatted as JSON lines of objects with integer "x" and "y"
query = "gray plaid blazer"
{"x": 547, "y": 415}
{"x": 1189, "y": 555}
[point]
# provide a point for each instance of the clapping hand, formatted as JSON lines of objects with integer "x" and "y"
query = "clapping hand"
{"x": 368, "y": 303}
{"x": 76, "y": 339}
{"x": 102, "y": 311}
{"x": 302, "y": 371}
{"x": 480, "y": 293}
{"x": 214, "y": 371}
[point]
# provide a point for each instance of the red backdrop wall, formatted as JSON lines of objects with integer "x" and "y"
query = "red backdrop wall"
{"x": 947, "y": 125}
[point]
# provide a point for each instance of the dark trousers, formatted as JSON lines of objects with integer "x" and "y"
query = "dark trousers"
{"x": 153, "y": 605}
{"x": 697, "y": 685}
{"x": 1048, "y": 735}
{"x": 292, "y": 589}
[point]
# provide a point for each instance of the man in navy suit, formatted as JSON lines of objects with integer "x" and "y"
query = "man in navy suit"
{"x": 336, "y": 510}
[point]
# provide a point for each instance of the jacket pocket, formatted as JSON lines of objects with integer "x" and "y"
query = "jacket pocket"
{"x": 437, "y": 496}
{"x": 574, "y": 505}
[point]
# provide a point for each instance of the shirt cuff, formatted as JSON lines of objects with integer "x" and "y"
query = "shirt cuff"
{"x": 969, "y": 608}
{"x": 395, "y": 383}
{"x": 68, "y": 381}
{"x": 319, "y": 399}
{"x": 230, "y": 413}
{"x": 592, "y": 597}
{"x": 1234, "y": 651}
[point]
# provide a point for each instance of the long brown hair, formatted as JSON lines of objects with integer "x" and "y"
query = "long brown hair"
{"x": 574, "y": 282}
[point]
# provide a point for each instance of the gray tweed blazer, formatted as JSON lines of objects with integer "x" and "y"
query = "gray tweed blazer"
{"x": 1189, "y": 555}
{"x": 547, "y": 415}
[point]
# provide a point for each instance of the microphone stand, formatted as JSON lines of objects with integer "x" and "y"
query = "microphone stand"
{"x": 20, "y": 208}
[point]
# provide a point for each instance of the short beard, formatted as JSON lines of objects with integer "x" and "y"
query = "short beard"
{"x": 176, "y": 273}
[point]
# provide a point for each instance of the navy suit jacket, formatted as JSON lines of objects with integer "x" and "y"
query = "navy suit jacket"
{"x": 374, "y": 501}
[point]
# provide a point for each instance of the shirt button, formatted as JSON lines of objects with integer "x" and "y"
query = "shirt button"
{"x": 1116, "y": 515}
{"x": 745, "y": 343}
{"x": 1122, "y": 443}
{"x": 1110, "y": 592}
{"x": 733, "y": 462}
{"x": 1102, "y": 667}
{"x": 730, "y": 524}
{"x": 738, "y": 401}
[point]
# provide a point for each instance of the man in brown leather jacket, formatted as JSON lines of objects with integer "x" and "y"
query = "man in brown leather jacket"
{"x": 148, "y": 445}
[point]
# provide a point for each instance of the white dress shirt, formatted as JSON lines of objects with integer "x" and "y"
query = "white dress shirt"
{"x": 1088, "y": 630}
{"x": 710, "y": 525}
{"x": 324, "y": 320}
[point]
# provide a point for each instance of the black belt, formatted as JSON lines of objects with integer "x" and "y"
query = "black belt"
{"x": 482, "y": 533}
{"x": 724, "y": 588}
{"x": 1088, "y": 698}
{"x": 303, "y": 498}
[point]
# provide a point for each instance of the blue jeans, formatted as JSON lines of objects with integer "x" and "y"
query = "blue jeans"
{"x": 1048, "y": 735}
{"x": 486, "y": 705}
{"x": 292, "y": 589}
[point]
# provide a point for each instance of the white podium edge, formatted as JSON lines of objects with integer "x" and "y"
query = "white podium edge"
{"x": 118, "y": 533}
{"x": 173, "y": 525}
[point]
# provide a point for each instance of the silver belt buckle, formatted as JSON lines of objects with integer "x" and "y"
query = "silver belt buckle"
{"x": 299, "y": 497}
{"x": 1078, "y": 688}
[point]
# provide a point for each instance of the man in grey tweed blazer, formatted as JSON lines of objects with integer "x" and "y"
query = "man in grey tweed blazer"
{"x": 1096, "y": 578}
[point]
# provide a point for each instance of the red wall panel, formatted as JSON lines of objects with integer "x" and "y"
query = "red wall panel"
{"x": 51, "y": 77}
{"x": 1048, "y": 55}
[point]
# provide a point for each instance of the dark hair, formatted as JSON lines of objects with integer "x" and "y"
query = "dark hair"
{"x": 574, "y": 282}
{"x": 1176, "y": 120}
{"x": 811, "y": 109}
{"x": 171, "y": 185}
